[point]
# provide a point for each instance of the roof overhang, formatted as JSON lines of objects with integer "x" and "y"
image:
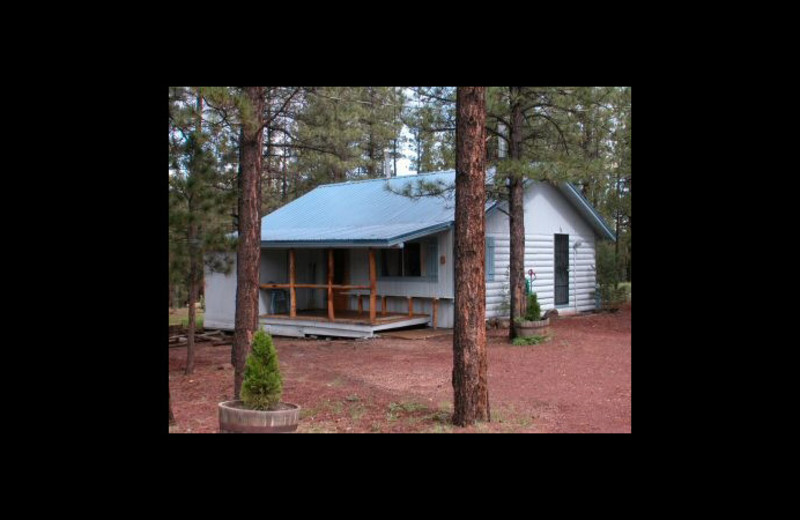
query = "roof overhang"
{"x": 388, "y": 242}
{"x": 586, "y": 210}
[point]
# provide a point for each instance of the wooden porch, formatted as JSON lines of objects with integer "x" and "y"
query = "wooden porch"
{"x": 349, "y": 324}
{"x": 341, "y": 322}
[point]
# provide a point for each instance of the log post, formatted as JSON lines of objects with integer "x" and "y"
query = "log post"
{"x": 331, "y": 315}
{"x": 292, "y": 295}
{"x": 383, "y": 305}
{"x": 435, "y": 309}
{"x": 410, "y": 307}
{"x": 372, "y": 285}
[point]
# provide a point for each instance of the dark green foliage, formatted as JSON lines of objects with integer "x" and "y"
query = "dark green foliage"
{"x": 429, "y": 114}
{"x": 262, "y": 385}
{"x": 534, "y": 312}
{"x": 608, "y": 277}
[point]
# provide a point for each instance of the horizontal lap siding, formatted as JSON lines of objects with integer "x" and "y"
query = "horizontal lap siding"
{"x": 547, "y": 213}
{"x": 539, "y": 256}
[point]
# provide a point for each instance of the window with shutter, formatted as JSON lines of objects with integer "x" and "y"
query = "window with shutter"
{"x": 489, "y": 259}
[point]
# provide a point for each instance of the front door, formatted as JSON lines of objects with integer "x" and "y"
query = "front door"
{"x": 341, "y": 276}
{"x": 562, "y": 269}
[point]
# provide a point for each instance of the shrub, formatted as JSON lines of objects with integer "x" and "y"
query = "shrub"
{"x": 262, "y": 385}
{"x": 534, "y": 312}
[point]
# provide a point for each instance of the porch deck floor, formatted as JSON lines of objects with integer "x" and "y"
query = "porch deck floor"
{"x": 347, "y": 316}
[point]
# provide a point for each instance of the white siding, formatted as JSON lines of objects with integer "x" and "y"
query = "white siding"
{"x": 220, "y": 296}
{"x": 547, "y": 213}
{"x": 220, "y": 289}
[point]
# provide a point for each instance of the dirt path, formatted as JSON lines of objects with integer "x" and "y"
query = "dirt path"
{"x": 580, "y": 381}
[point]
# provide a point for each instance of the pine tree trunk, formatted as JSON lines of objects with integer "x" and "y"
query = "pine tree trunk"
{"x": 193, "y": 282}
{"x": 470, "y": 360}
{"x": 248, "y": 253}
{"x": 172, "y": 421}
{"x": 516, "y": 211}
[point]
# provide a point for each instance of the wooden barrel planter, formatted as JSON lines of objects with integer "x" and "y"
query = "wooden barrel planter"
{"x": 532, "y": 328}
{"x": 233, "y": 418}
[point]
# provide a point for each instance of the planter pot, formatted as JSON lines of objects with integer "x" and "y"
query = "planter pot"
{"x": 532, "y": 328}
{"x": 233, "y": 418}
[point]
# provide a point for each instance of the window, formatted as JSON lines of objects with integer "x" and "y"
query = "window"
{"x": 489, "y": 259}
{"x": 391, "y": 262}
{"x": 414, "y": 260}
{"x": 411, "y": 260}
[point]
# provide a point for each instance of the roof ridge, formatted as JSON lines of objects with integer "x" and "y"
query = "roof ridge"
{"x": 361, "y": 181}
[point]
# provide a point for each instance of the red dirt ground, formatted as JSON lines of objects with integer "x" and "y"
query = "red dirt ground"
{"x": 577, "y": 382}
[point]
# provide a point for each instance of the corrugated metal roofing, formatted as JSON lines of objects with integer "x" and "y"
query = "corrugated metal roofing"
{"x": 360, "y": 212}
{"x": 366, "y": 213}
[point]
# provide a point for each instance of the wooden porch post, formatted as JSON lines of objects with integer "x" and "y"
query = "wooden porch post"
{"x": 410, "y": 307}
{"x": 383, "y": 306}
{"x": 372, "y": 285}
{"x": 330, "y": 284}
{"x": 435, "y": 308}
{"x": 292, "y": 295}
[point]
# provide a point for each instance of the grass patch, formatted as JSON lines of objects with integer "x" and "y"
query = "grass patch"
{"x": 626, "y": 286}
{"x": 357, "y": 411}
{"x": 181, "y": 317}
{"x": 529, "y": 340}
{"x": 396, "y": 410}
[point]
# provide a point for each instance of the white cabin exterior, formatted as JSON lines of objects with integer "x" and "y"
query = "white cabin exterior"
{"x": 551, "y": 211}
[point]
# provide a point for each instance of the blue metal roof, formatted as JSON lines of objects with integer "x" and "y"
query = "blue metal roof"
{"x": 367, "y": 214}
{"x": 360, "y": 213}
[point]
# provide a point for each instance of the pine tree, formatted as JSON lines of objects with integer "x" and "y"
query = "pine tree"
{"x": 537, "y": 125}
{"x": 262, "y": 385}
{"x": 248, "y": 252}
{"x": 197, "y": 203}
{"x": 470, "y": 360}
{"x": 430, "y": 117}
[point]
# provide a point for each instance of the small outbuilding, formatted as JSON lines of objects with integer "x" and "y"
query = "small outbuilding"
{"x": 355, "y": 258}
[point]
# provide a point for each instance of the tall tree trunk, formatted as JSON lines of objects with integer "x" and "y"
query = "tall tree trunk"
{"x": 193, "y": 247}
{"x": 470, "y": 360}
{"x": 516, "y": 212}
{"x": 248, "y": 252}
{"x": 193, "y": 282}
{"x": 617, "y": 225}
{"x": 172, "y": 421}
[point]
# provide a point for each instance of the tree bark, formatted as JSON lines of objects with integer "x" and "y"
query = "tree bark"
{"x": 248, "y": 252}
{"x": 192, "y": 299}
{"x": 172, "y": 421}
{"x": 470, "y": 360}
{"x": 516, "y": 212}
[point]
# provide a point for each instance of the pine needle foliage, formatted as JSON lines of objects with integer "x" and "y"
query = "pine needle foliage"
{"x": 262, "y": 385}
{"x": 534, "y": 312}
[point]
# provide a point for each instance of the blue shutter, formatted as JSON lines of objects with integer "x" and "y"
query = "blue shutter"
{"x": 489, "y": 259}
{"x": 432, "y": 259}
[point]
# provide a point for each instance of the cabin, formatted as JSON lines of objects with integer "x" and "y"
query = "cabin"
{"x": 356, "y": 258}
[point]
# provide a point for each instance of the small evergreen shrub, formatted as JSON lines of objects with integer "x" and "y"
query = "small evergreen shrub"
{"x": 534, "y": 312}
{"x": 262, "y": 385}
